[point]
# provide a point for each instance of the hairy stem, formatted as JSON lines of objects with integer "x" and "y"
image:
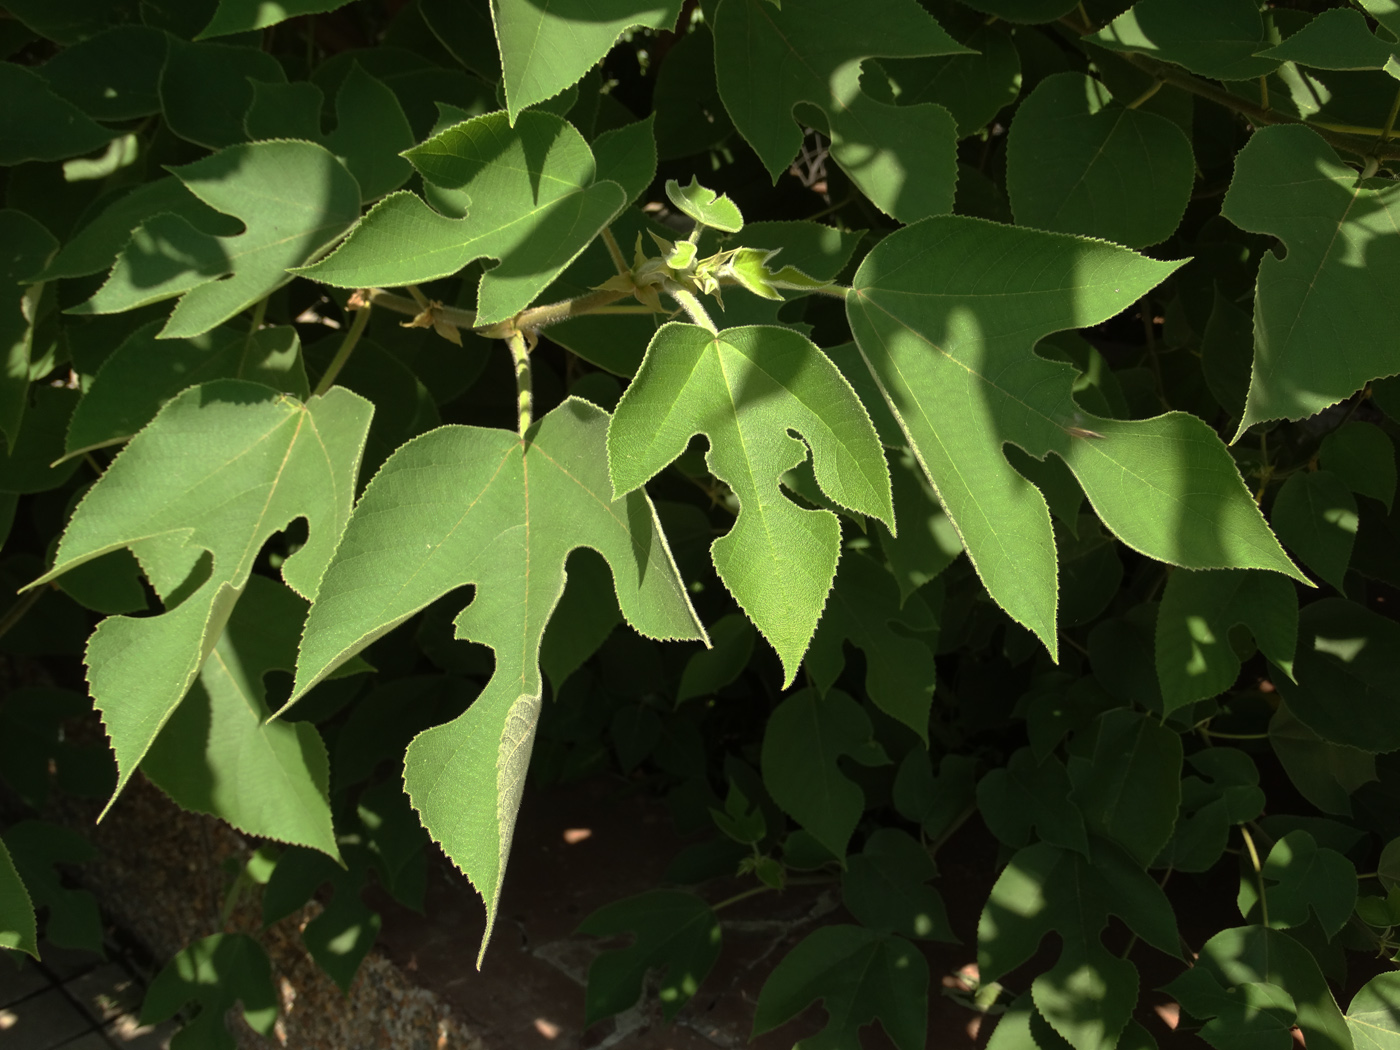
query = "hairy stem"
{"x": 691, "y": 304}
{"x": 615, "y": 251}
{"x": 520, "y": 346}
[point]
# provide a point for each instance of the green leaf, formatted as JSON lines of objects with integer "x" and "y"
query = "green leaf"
{"x": 219, "y": 754}
{"x": 242, "y": 16}
{"x": 805, "y": 736}
{"x": 110, "y": 76}
{"x": 706, "y": 207}
{"x": 1248, "y": 1016}
{"x": 1315, "y": 515}
{"x": 1363, "y": 457}
{"x": 677, "y": 935}
{"x": 1346, "y": 682}
{"x": 627, "y": 156}
{"x": 583, "y": 619}
{"x": 768, "y": 60}
{"x": 28, "y": 246}
{"x": 1332, "y": 289}
{"x": 1214, "y": 38}
{"x": 1078, "y": 163}
{"x": 1023, "y": 10}
{"x": 215, "y": 973}
{"x": 1335, "y": 39}
{"x": 1088, "y": 995}
{"x": 936, "y": 802}
{"x": 1027, "y": 794}
{"x": 927, "y": 542}
{"x": 1229, "y": 795}
{"x": 710, "y": 670}
{"x": 947, "y": 328}
{"x": 230, "y": 274}
{"x": 746, "y": 389}
{"x": 1195, "y": 660}
{"x": 1374, "y": 1013}
{"x": 342, "y": 934}
{"x": 1326, "y": 774}
{"x": 17, "y": 927}
{"x": 145, "y": 371}
{"x": 68, "y": 21}
{"x": 1386, "y": 12}
{"x": 527, "y": 196}
{"x": 195, "y": 495}
{"x": 1257, "y": 955}
{"x": 31, "y": 463}
{"x": 690, "y": 117}
{"x": 39, "y": 125}
{"x": 463, "y": 505}
{"x": 864, "y": 609}
{"x": 1307, "y": 878}
{"x": 885, "y": 887}
{"x": 1130, "y": 788}
{"x": 974, "y": 88}
{"x": 861, "y": 976}
{"x": 36, "y": 848}
{"x": 370, "y": 134}
{"x": 205, "y": 89}
{"x": 547, "y": 48}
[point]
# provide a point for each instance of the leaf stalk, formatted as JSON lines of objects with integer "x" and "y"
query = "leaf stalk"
{"x": 347, "y": 346}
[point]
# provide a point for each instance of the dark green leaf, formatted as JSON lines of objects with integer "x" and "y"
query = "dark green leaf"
{"x": 1326, "y": 774}
{"x": 214, "y": 973}
{"x": 1315, "y": 515}
{"x": 1026, "y": 795}
{"x": 1215, "y": 38}
{"x": 39, "y": 125}
{"x": 885, "y": 888}
{"x": 1363, "y": 457}
{"x": 1300, "y": 877}
{"x": 710, "y": 670}
{"x": 18, "y": 931}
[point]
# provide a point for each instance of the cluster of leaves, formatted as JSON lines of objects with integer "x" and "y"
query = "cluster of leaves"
{"x": 1099, "y": 295}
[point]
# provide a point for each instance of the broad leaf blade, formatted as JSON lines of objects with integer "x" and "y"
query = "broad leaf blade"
{"x": 17, "y": 927}
{"x": 464, "y": 505}
{"x": 946, "y": 313}
{"x": 745, "y": 389}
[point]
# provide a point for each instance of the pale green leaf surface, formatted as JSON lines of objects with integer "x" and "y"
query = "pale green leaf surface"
{"x": 1026, "y": 795}
{"x": 1088, "y": 995}
{"x": 1374, "y": 1014}
{"x": 219, "y": 754}
{"x": 36, "y": 124}
{"x": 885, "y": 887}
{"x": 1078, "y": 163}
{"x": 864, "y": 609}
{"x": 17, "y": 927}
{"x": 860, "y": 976}
{"x": 195, "y": 495}
{"x": 144, "y": 372}
{"x": 526, "y": 196}
{"x": 27, "y": 247}
{"x": 1215, "y": 38}
{"x": 1363, "y": 457}
{"x": 205, "y": 89}
{"x": 241, "y": 16}
{"x": 1194, "y": 657}
{"x": 1257, "y": 955}
{"x": 465, "y": 505}
{"x": 294, "y": 198}
{"x": 805, "y": 736}
{"x": 769, "y": 60}
{"x": 1346, "y": 685}
{"x": 946, "y": 314}
{"x": 1335, "y": 39}
{"x": 1315, "y": 514}
{"x": 745, "y": 389}
{"x": 1326, "y": 774}
{"x": 705, "y": 206}
{"x": 1333, "y": 289}
{"x": 1303, "y": 877}
{"x": 677, "y": 935}
{"x": 547, "y": 47}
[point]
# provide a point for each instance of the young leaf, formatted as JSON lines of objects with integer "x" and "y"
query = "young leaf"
{"x": 17, "y": 927}
{"x": 282, "y": 229}
{"x": 885, "y": 887}
{"x": 805, "y": 736}
{"x": 547, "y": 48}
{"x": 864, "y": 609}
{"x": 219, "y": 754}
{"x": 745, "y": 389}
{"x": 195, "y": 495}
{"x": 770, "y": 59}
{"x": 1088, "y": 995}
{"x": 1195, "y": 660}
{"x": 1303, "y": 877}
{"x": 1333, "y": 288}
{"x": 677, "y": 935}
{"x": 464, "y": 505}
{"x": 947, "y": 325}
{"x": 706, "y": 207}
{"x": 861, "y": 976}
{"x": 214, "y": 973}
{"x": 525, "y": 195}
{"x": 1073, "y": 161}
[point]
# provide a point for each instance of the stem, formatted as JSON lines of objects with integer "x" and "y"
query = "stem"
{"x": 520, "y": 347}
{"x": 403, "y": 305}
{"x": 835, "y": 291}
{"x": 16, "y": 612}
{"x": 1258, "y": 873}
{"x": 537, "y": 317}
{"x": 952, "y": 829}
{"x": 1264, "y": 92}
{"x": 1213, "y": 734}
{"x": 259, "y": 312}
{"x": 1156, "y": 87}
{"x": 357, "y": 328}
{"x": 616, "y": 252}
{"x": 692, "y": 306}
{"x": 92, "y": 462}
{"x": 745, "y": 895}
{"x": 1390, "y": 119}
